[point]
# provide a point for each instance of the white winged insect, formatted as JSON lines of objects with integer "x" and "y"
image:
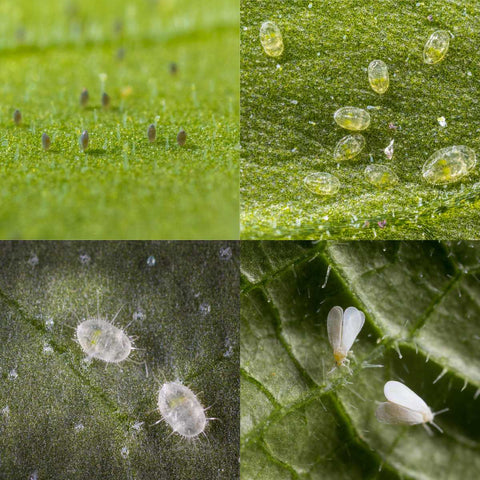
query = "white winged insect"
{"x": 343, "y": 328}
{"x": 405, "y": 407}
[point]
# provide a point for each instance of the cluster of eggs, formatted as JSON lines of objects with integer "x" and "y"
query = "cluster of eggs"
{"x": 447, "y": 165}
{"x": 84, "y": 137}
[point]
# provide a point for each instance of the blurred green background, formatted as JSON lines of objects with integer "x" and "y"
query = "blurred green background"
{"x": 66, "y": 418}
{"x": 123, "y": 187}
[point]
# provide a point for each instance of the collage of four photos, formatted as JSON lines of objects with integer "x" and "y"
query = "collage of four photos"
{"x": 239, "y": 239}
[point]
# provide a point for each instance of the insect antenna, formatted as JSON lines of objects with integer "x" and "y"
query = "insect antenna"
{"x": 436, "y": 426}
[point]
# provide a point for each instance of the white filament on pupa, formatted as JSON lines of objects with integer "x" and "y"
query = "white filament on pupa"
{"x": 343, "y": 328}
{"x": 405, "y": 407}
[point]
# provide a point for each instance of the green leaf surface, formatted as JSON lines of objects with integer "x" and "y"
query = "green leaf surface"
{"x": 67, "y": 418}
{"x": 288, "y": 130}
{"x": 300, "y": 419}
{"x": 123, "y": 187}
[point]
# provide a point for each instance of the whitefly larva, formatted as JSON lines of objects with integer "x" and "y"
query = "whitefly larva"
{"x": 343, "y": 328}
{"x": 405, "y": 407}
{"x": 181, "y": 409}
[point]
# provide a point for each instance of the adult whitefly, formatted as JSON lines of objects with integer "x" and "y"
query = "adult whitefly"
{"x": 152, "y": 133}
{"x": 181, "y": 409}
{"x": 17, "y": 117}
{"x": 105, "y": 100}
{"x": 84, "y": 139}
{"x": 404, "y": 407}
{"x": 181, "y": 137}
{"x": 46, "y": 142}
{"x": 343, "y": 328}
{"x": 84, "y": 97}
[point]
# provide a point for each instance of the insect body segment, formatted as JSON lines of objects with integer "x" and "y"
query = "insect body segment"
{"x": 343, "y": 328}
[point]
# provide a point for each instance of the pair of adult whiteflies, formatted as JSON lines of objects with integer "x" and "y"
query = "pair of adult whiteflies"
{"x": 178, "y": 405}
{"x": 403, "y": 406}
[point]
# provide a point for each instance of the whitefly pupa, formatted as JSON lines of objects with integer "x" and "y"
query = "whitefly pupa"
{"x": 181, "y": 410}
{"x": 101, "y": 339}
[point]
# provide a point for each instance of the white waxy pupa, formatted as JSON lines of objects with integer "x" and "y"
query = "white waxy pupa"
{"x": 343, "y": 328}
{"x": 404, "y": 407}
{"x": 181, "y": 409}
{"x": 103, "y": 340}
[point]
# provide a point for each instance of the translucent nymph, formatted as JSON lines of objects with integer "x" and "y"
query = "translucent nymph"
{"x": 449, "y": 164}
{"x": 103, "y": 340}
{"x": 436, "y": 47}
{"x": 380, "y": 176}
{"x": 349, "y": 147}
{"x": 271, "y": 39}
{"x": 181, "y": 409}
{"x": 352, "y": 118}
{"x": 378, "y": 76}
{"x": 322, "y": 183}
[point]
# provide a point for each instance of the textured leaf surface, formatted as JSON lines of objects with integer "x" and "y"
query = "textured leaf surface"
{"x": 298, "y": 421}
{"x": 288, "y": 130}
{"x": 123, "y": 187}
{"x": 66, "y": 418}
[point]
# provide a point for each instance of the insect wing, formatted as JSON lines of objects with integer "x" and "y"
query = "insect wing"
{"x": 334, "y": 327}
{"x": 394, "y": 414}
{"x": 400, "y": 394}
{"x": 353, "y": 320}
